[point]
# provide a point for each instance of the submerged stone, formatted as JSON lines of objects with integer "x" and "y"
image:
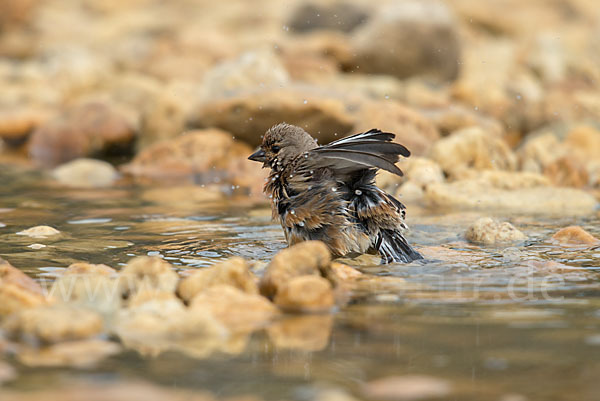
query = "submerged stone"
{"x": 39, "y": 232}
{"x": 86, "y": 173}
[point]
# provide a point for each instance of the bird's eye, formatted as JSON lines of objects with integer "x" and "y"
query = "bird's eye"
{"x": 275, "y": 148}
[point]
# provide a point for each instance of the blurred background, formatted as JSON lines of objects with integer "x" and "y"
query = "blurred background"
{"x": 121, "y": 81}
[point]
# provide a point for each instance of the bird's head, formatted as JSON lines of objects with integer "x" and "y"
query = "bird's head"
{"x": 281, "y": 144}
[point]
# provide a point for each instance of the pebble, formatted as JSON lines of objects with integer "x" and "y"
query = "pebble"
{"x": 39, "y": 232}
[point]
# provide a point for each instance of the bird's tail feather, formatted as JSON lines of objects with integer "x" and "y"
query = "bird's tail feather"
{"x": 393, "y": 247}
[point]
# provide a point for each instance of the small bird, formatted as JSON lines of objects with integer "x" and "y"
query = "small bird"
{"x": 328, "y": 193}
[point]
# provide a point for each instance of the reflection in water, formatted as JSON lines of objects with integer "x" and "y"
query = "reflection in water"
{"x": 491, "y": 321}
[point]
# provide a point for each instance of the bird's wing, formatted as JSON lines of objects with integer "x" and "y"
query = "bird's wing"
{"x": 372, "y": 149}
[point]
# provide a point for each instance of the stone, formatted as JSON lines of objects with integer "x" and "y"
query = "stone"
{"x": 306, "y": 294}
{"x": 17, "y": 290}
{"x": 7, "y": 372}
{"x": 86, "y": 130}
{"x": 249, "y": 114}
{"x": 487, "y": 231}
{"x": 39, "y": 232}
{"x": 478, "y": 194}
{"x": 412, "y": 129}
{"x": 95, "y": 290}
{"x": 237, "y": 310}
{"x": 86, "y": 173}
{"x": 342, "y": 272}
{"x": 572, "y": 161}
{"x": 472, "y": 148}
{"x": 575, "y": 235}
{"x": 302, "y": 332}
{"x": 407, "y": 388}
{"x": 81, "y": 268}
{"x": 53, "y": 324}
{"x": 157, "y": 322}
{"x": 163, "y": 117}
{"x": 233, "y": 272}
{"x": 304, "y": 258}
{"x": 452, "y": 117}
{"x": 339, "y": 16}
{"x": 16, "y": 124}
{"x": 203, "y": 157}
{"x": 256, "y": 68}
{"x": 76, "y": 354}
{"x": 147, "y": 273}
{"x": 92, "y": 390}
{"x": 408, "y": 38}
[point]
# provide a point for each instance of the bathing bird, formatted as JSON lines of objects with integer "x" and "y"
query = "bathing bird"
{"x": 328, "y": 192}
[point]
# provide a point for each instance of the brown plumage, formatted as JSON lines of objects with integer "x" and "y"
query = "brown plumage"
{"x": 328, "y": 193}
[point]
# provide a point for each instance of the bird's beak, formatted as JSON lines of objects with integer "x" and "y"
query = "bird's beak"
{"x": 258, "y": 156}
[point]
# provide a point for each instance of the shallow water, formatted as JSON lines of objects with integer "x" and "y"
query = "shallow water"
{"x": 495, "y": 322}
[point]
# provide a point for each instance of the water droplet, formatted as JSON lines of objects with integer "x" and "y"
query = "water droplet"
{"x": 292, "y": 211}
{"x": 387, "y": 96}
{"x": 518, "y": 97}
{"x": 301, "y": 224}
{"x": 286, "y": 28}
{"x": 476, "y": 108}
{"x": 305, "y": 101}
{"x": 358, "y": 192}
{"x": 312, "y": 171}
{"x": 334, "y": 189}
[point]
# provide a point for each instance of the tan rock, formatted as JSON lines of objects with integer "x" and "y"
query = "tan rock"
{"x": 81, "y": 268}
{"x": 163, "y": 118}
{"x": 85, "y": 173}
{"x": 94, "y": 290}
{"x": 233, "y": 272}
{"x": 202, "y": 157}
{"x": 39, "y": 232}
{"x": 16, "y": 124}
{"x": 474, "y": 148}
{"x": 53, "y": 324}
{"x": 77, "y": 354}
{"x": 249, "y": 114}
{"x": 304, "y": 332}
{"x": 412, "y": 129}
{"x": 239, "y": 311}
{"x": 306, "y": 294}
{"x": 254, "y": 68}
{"x": 82, "y": 131}
{"x": 160, "y": 322}
{"x": 7, "y": 372}
{"x": 408, "y": 38}
{"x": 575, "y": 235}
{"x": 304, "y": 258}
{"x": 478, "y": 194}
{"x": 17, "y": 290}
{"x": 342, "y": 272}
{"x": 147, "y": 273}
{"x": 488, "y": 231}
{"x": 407, "y": 388}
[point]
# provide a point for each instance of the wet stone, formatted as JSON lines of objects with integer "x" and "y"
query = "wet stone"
{"x": 306, "y": 294}
{"x": 305, "y": 258}
{"x": 77, "y": 354}
{"x": 7, "y": 372}
{"x": 239, "y": 311}
{"x": 487, "y": 231}
{"x": 575, "y": 235}
{"x": 147, "y": 273}
{"x": 39, "y": 232}
{"x": 17, "y": 290}
{"x": 53, "y": 324}
{"x": 232, "y": 272}
{"x": 86, "y": 173}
